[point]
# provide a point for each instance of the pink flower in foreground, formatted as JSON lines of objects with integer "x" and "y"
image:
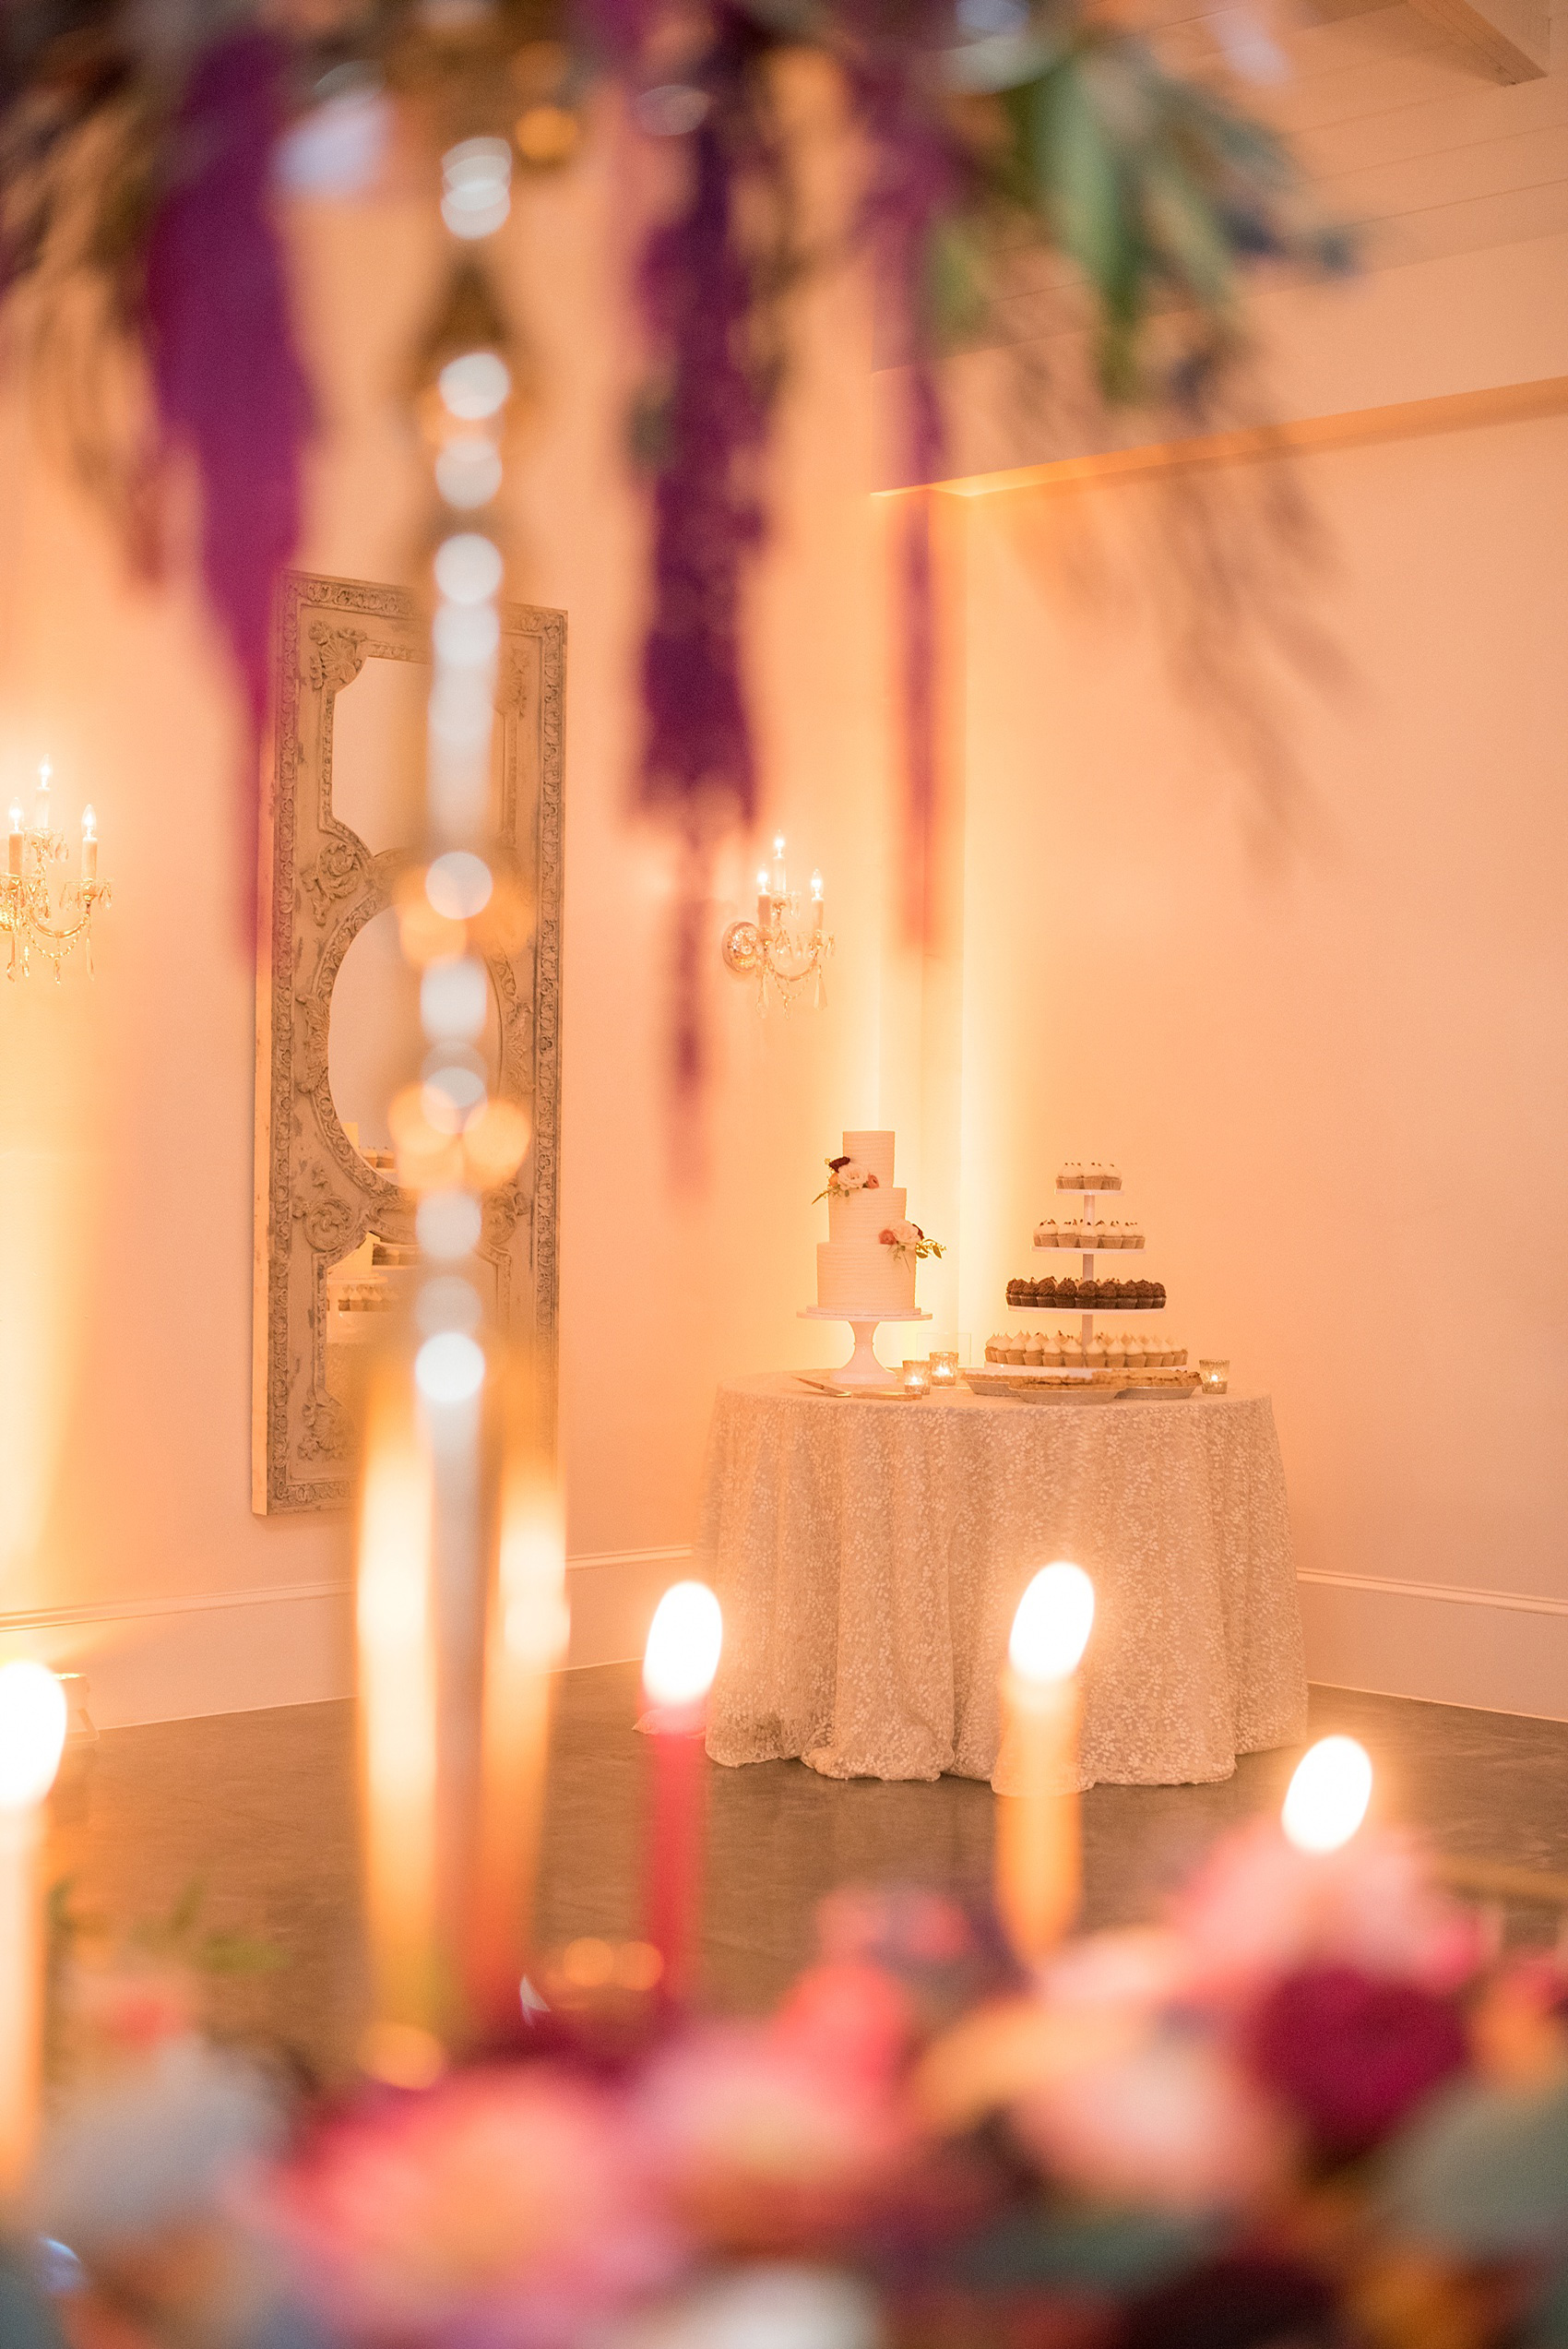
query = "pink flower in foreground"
{"x": 1258, "y": 1907}
{"x": 1164, "y": 2121}
{"x": 760, "y": 2146}
{"x": 497, "y": 2210}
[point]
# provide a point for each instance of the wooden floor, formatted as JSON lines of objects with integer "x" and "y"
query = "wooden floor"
{"x": 258, "y": 1808}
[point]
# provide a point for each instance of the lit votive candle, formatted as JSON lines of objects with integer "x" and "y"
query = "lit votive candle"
{"x": 32, "y": 1735}
{"x": 1039, "y": 1865}
{"x": 1213, "y": 1377}
{"x": 917, "y": 1377}
{"x": 945, "y": 1369}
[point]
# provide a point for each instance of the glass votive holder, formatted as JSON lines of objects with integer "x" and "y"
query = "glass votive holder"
{"x": 945, "y": 1369}
{"x": 1213, "y": 1377}
{"x": 917, "y": 1377}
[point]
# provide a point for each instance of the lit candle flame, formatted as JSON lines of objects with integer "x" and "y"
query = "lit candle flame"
{"x": 1328, "y": 1795}
{"x": 817, "y": 886}
{"x": 778, "y": 843}
{"x": 1051, "y": 1628}
{"x": 89, "y": 823}
{"x": 761, "y": 881}
{"x": 32, "y": 1734}
{"x": 16, "y": 816}
{"x": 683, "y": 1641}
{"x": 45, "y": 771}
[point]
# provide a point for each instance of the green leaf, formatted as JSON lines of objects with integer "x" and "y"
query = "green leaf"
{"x": 237, "y": 1953}
{"x": 1183, "y": 224}
{"x": 1483, "y": 2173}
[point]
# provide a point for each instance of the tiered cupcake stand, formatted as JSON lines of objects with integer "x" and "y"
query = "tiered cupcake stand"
{"x": 1088, "y": 1255}
{"x": 863, "y": 1369}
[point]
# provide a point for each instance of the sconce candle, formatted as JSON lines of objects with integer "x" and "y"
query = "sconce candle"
{"x": 1039, "y": 1857}
{"x": 14, "y": 843}
{"x": 32, "y": 1735}
{"x": 90, "y": 845}
{"x": 679, "y": 1662}
{"x": 41, "y": 815}
{"x": 817, "y": 912}
{"x": 764, "y": 905}
{"x": 780, "y": 885}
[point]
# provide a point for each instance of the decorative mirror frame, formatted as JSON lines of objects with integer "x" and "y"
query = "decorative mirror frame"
{"x": 316, "y": 1198}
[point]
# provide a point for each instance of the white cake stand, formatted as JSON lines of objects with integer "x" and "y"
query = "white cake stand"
{"x": 863, "y": 1369}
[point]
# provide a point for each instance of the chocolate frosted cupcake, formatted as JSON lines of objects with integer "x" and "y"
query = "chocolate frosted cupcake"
{"x": 1069, "y": 1291}
{"x": 1159, "y": 1292}
{"x": 1047, "y": 1289}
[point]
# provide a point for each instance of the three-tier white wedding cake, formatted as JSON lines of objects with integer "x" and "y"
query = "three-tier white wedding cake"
{"x": 858, "y": 1273}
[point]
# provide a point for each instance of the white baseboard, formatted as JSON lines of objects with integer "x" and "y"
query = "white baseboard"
{"x": 1492, "y": 1651}
{"x": 291, "y": 1644}
{"x": 241, "y": 1651}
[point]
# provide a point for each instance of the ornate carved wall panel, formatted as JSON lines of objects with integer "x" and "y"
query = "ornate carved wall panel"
{"x": 318, "y": 1194}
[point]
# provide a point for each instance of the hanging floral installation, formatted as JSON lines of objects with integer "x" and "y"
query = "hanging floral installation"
{"x": 133, "y": 154}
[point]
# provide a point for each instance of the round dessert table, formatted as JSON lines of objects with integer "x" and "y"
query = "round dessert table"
{"x": 869, "y": 1557}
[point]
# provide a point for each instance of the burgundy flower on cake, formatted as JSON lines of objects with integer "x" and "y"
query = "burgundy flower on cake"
{"x": 1354, "y": 2055}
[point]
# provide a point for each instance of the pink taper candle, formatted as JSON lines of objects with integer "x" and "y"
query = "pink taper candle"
{"x": 679, "y": 1663}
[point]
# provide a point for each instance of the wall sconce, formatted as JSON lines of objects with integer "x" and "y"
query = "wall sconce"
{"x": 25, "y": 908}
{"x": 777, "y": 945}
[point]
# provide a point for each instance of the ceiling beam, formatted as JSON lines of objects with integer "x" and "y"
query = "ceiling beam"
{"x": 1513, "y": 36}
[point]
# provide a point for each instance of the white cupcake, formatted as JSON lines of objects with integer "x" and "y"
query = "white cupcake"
{"x": 1071, "y": 1177}
{"x": 996, "y": 1347}
{"x": 1097, "y": 1351}
{"x": 1016, "y": 1346}
{"x": 1072, "y": 1349}
{"x": 1046, "y": 1236}
{"x": 1133, "y": 1350}
{"x": 1050, "y": 1351}
{"x": 1113, "y": 1178}
{"x": 1034, "y": 1352}
{"x": 1137, "y": 1239}
{"x": 1115, "y": 1353}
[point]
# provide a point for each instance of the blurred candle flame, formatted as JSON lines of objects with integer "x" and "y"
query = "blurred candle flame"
{"x": 1328, "y": 1795}
{"x": 683, "y": 1641}
{"x": 1051, "y": 1628}
{"x": 32, "y": 1734}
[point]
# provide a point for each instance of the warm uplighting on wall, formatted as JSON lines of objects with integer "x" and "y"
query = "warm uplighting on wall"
{"x": 787, "y": 943}
{"x": 30, "y": 909}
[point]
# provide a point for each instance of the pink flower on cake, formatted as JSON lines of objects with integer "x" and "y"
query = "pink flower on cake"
{"x": 845, "y": 1177}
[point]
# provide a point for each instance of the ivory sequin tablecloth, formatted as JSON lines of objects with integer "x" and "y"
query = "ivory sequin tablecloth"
{"x": 869, "y": 1558}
